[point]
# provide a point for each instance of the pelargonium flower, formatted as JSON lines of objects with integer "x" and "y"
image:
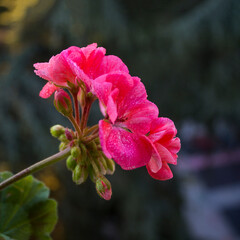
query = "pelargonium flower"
{"x": 165, "y": 148}
{"x": 128, "y": 115}
{"x": 131, "y": 134}
{"x": 77, "y": 64}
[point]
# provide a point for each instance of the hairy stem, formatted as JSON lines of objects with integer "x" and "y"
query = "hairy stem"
{"x": 36, "y": 167}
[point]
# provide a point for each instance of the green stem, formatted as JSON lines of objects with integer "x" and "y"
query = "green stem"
{"x": 76, "y": 126}
{"x": 36, "y": 167}
{"x": 92, "y": 129}
{"x": 90, "y": 138}
{"x": 76, "y": 108}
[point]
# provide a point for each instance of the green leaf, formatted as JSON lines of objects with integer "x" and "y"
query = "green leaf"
{"x": 26, "y": 212}
{"x": 43, "y": 218}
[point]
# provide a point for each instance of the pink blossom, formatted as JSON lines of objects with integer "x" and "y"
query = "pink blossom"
{"x": 124, "y": 103}
{"x": 77, "y": 64}
{"x": 166, "y": 146}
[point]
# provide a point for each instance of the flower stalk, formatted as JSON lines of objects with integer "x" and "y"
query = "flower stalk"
{"x": 36, "y": 167}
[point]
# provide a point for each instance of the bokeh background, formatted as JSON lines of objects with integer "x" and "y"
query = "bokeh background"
{"x": 187, "y": 54}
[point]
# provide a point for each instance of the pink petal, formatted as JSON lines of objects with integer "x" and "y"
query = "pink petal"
{"x": 112, "y": 106}
{"x": 60, "y": 70}
{"x": 163, "y": 130}
{"x": 135, "y": 95}
{"x": 165, "y": 154}
{"x": 127, "y": 149}
{"x": 80, "y": 74}
{"x": 112, "y": 63}
{"x": 155, "y": 162}
{"x": 104, "y": 130}
{"x": 47, "y": 90}
{"x": 93, "y": 63}
{"x": 42, "y": 70}
{"x": 139, "y": 119}
{"x": 174, "y": 145}
{"x": 102, "y": 89}
{"x": 164, "y": 173}
{"x": 122, "y": 81}
{"x": 111, "y": 89}
{"x": 88, "y": 49}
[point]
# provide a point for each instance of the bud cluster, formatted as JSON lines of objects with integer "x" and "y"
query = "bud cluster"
{"x": 86, "y": 159}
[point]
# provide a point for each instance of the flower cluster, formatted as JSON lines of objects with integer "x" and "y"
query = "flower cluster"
{"x": 131, "y": 133}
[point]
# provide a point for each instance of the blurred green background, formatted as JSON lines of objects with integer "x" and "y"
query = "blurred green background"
{"x": 187, "y": 54}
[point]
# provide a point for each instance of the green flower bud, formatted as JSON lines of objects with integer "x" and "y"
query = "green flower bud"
{"x": 110, "y": 165}
{"x": 71, "y": 163}
{"x": 81, "y": 97}
{"x": 83, "y": 153}
{"x": 76, "y": 151}
{"x": 103, "y": 187}
{"x": 62, "y": 146}
{"x": 63, "y": 138}
{"x": 63, "y": 102}
{"x": 92, "y": 174}
{"x": 103, "y": 162}
{"x": 80, "y": 174}
{"x": 57, "y": 130}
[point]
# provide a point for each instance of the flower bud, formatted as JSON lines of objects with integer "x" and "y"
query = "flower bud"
{"x": 71, "y": 163}
{"x": 76, "y": 151}
{"x": 81, "y": 97}
{"x": 69, "y": 134}
{"x": 102, "y": 165}
{"x": 83, "y": 153}
{"x": 110, "y": 165}
{"x": 103, "y": 187}
{"x": 57, "y": 130}
{"x": 80, "y": 174}
{"x": 63, "y": 103}
{"x": 62, "y": 146}
{"x": 63, "y": 138}
{"x": 97, "y": 165}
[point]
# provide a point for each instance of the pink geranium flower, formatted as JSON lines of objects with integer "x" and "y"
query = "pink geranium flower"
{"x": 77, "y": 64}
{"x": 128, "y": 115}
{"x": 166, "y": 146}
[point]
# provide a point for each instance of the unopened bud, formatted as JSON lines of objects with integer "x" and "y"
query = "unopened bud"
{"x": 62, "y": 102}
{"x": 69, "y": 134}
{"x": 101, "y": 165}
{"x": 110, "y": 165}
{"x": 97, "y": 165}
{"x": 57, "y": 130}
{"x": 75, "y": 151}
{"x": 103, "y": 187}
{"x": 83, "y": 153}
{"x": 81, "y": 97}
{"x": 62, "y": 146}
{"x": 92, "y": 174}
{"x": 80, "y": 174}
{"x": 103, "y": 161}
{"x": 71, "y": 163}
{"x": 63, "y": 138}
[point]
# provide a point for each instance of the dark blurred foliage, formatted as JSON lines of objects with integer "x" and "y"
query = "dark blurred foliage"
{"x": 187, "y": 54}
